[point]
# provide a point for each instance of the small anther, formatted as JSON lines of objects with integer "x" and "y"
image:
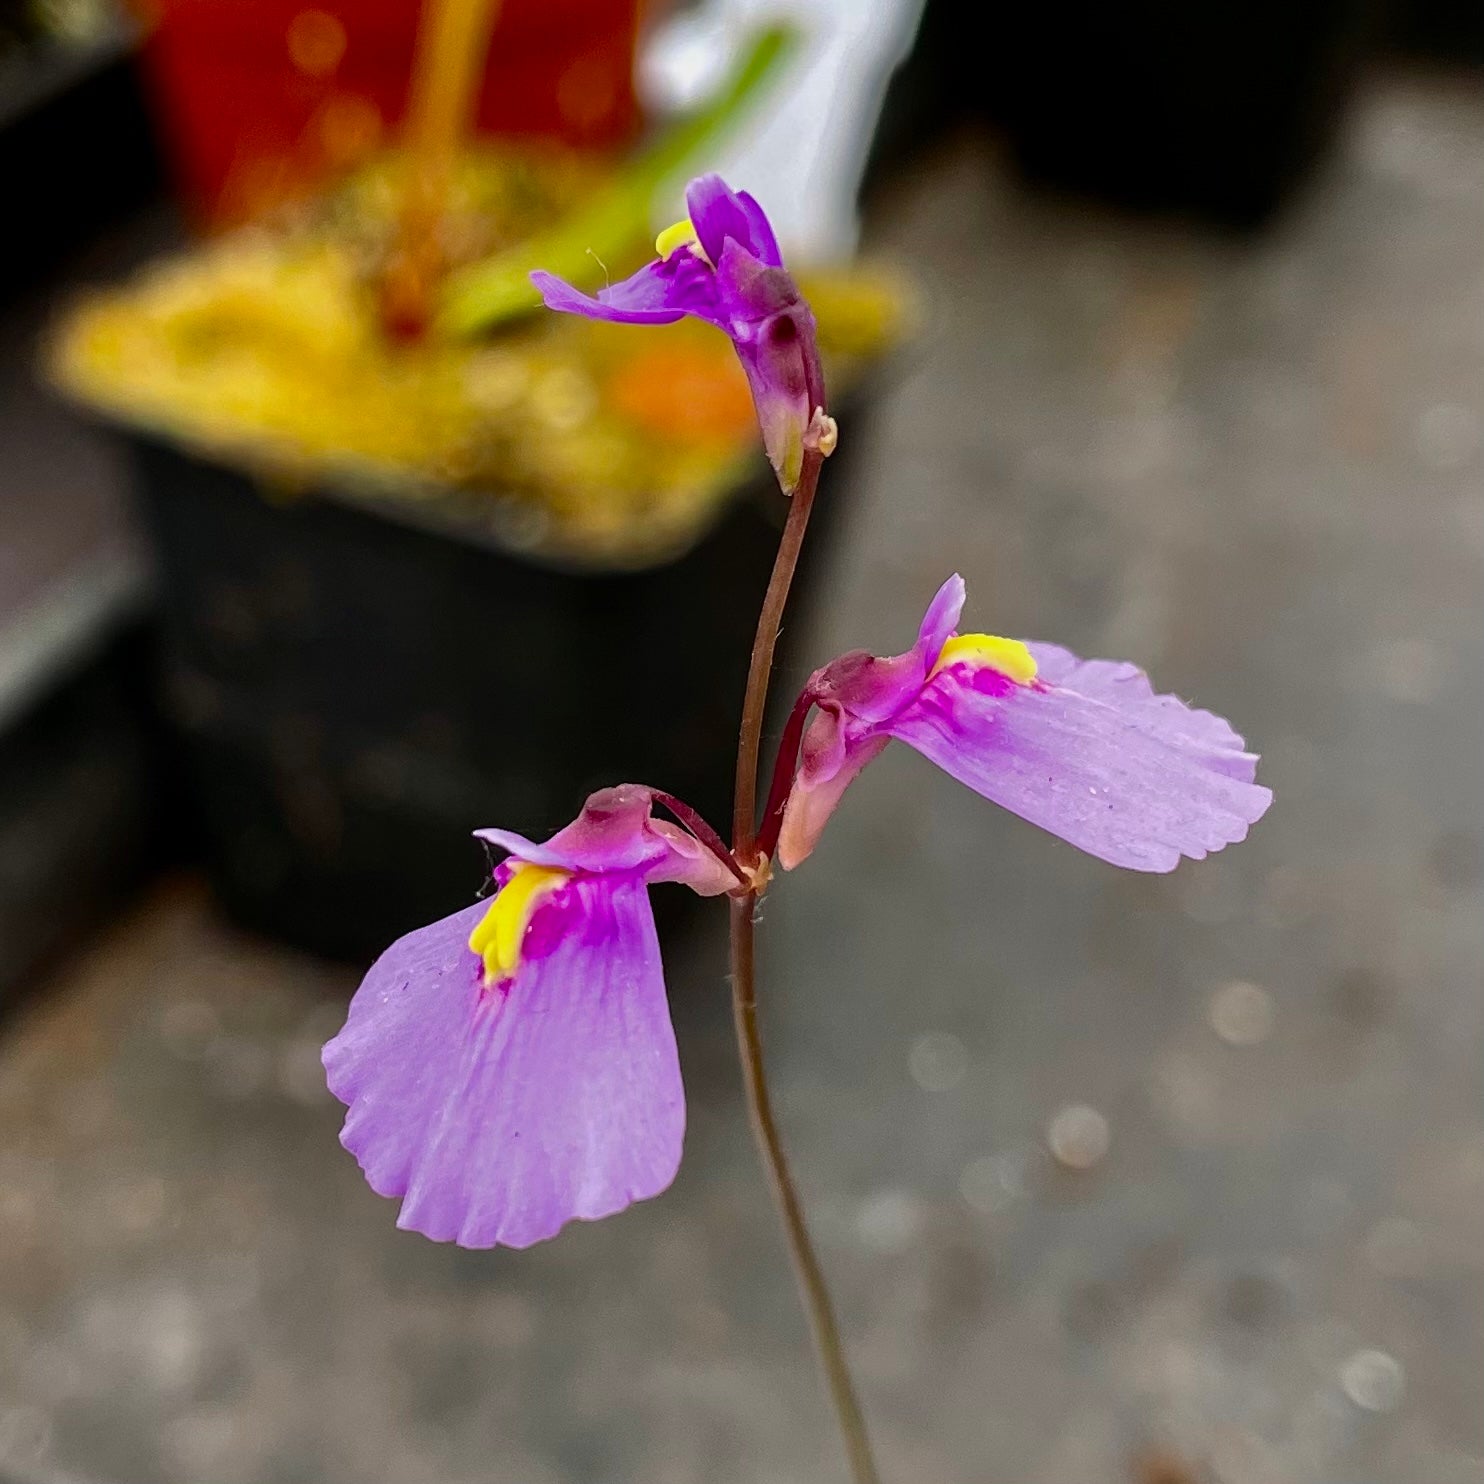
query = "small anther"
{"x": 823, "y": 433}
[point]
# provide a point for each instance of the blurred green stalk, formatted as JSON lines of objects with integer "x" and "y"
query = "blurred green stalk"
{"x": 478, "y": 297}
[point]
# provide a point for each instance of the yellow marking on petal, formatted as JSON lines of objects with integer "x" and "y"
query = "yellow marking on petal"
{"x": 682, "y": 234}
{"x": 1009, "y": 656}
{"x": 498, "y": 936}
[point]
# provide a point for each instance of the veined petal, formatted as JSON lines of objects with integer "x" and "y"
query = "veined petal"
{"x": 519, "y": 846}
{"x": 1136, "y": 779}
{"x": 498, "y": 1115}
{"x": 1084, "y": 748}
{"x": 1124, "y": 686}
{"x": 642, "y": 299}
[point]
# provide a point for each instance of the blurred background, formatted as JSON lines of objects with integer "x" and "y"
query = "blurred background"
{"x": 1162, "y": 324}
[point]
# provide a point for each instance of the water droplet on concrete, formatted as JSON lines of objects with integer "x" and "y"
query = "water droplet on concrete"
{"x": 1078, "y": 1136}
{"x": 1241, "y": 1013}
{"x": 1373, "y": 1380}
{"x": 937, "y": 1062}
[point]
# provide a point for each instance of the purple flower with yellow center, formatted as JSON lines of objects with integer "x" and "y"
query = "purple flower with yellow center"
{"x": 722, "y": 264}
{"x": 1083, "y": 748}
{"x": 513, "y": 1067}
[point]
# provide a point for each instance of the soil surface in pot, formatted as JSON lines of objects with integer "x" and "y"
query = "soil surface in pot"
{"x": 580, "y": 442}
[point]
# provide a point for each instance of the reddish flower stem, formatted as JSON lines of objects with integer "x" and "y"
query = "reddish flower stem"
{"x": 760, "y": 671}
{"x": 745, "y": 843}
{"x": 807, "y": 1272}
{"x": 703, "y": 833}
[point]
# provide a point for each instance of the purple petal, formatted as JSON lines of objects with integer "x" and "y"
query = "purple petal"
{"x": 774, "y": 354}
{"x": 1138, "y": 780}
{"x": 874, "y": 687}
{"x": 660, "y": 293}
{"x": 1126, "y": 687}
{"x": 717, "y": 213}
{"x": 941, "y": 619}
{"x": 750, "y": 292}
{"x": 639, "y": 300}
{"x": 761, "y": 243}
{"x": 688, "y": 863}
{"x": 616, "y": 833}
{"x": 528, "y": 850}
{"x": 610, "y": 834}
{"x": 500, "y": 1115}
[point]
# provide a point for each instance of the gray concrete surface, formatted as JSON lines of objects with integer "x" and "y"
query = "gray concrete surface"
{"x": 1253, "y": 1256}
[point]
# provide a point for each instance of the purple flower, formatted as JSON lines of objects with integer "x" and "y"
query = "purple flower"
{"x": 1083, "y": 748}
{"x": 723, "y": 265}
{"x": 513, "y": 1066}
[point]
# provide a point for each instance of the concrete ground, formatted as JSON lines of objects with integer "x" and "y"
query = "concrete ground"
{"x": 1118, "y": 1178}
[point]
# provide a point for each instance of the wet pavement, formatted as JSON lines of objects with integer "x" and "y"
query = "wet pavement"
{"x": 1118, "y": 1178}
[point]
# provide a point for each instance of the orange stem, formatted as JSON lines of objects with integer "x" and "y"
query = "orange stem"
{"x": 452, "y": 40}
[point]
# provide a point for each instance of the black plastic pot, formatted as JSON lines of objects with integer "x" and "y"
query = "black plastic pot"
{"x": 76, "y": 149}
{"x": 354, "y": 694}
{"x": 1215, "y": 110}
{"x": 85, "y": 801}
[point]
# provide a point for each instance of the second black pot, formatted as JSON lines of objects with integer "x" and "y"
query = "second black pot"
{"x": 353, "y": 695}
